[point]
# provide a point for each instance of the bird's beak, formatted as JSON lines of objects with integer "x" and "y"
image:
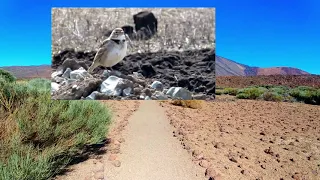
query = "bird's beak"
{"x": 129, "y": 40}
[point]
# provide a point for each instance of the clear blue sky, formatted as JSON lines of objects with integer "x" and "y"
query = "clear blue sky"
{"x": 264, "y": 33}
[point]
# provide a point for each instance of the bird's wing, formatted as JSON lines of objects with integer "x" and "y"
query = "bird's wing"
{"x": 103, "y": 48}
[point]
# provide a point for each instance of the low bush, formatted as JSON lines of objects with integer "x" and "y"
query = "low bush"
{"x": 272, "y": 96}
{"x": 251, "y": 93}
{"x": 194, "y": 104}
{"x": 230, "y": 91}
{"x": 7, "y": 76}
{"x": 306, "y": 94}
{"x": 219, "y": 92}
{"x": 40, "y": 136}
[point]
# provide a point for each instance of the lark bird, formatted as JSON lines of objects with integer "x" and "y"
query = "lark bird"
{"x": 112, "y": 50}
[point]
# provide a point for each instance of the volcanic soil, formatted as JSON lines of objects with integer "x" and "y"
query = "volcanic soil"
{"x": 285, "y": 80}
{"x": 246, "y": 139}
{"x": 191, "y": 69}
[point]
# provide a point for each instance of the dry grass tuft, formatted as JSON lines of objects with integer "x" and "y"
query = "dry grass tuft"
{"x": 178, "y": 28}
{"x": 194, "y": 104}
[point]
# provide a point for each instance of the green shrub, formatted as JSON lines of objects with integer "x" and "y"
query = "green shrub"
{"x": 306, "y": 94}
{"x": 2, "y": 81}
{"x": 44, "y": 135}
{"x": 40, "y": 84}
{"x": 7, "y": 76}
{"x": 230, "y": 91}
{"x": 272, "y": 96}
{"x": 251, "y": 93}
{"x": 282, "y": 90}
{"x": 219, "y": 91}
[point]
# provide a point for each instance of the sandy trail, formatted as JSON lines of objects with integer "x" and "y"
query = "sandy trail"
{"x": 150, "y": 151}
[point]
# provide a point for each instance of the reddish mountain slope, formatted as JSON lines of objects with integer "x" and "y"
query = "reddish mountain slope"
{"x": 27, "y": 72}
{"x": 226, "y": 67}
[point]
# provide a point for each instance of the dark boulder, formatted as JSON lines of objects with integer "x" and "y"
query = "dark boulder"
{"x": 145, "y": 19}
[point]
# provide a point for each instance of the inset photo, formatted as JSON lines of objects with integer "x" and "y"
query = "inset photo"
{"x": 133, "y": 53}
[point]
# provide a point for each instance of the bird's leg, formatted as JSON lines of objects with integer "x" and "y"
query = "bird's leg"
{"x": 92, "y": 67}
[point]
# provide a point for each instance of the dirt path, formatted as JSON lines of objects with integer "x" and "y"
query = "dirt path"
{"x": 148, "y": 151}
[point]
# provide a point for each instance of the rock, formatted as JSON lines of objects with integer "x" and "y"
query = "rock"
{"x": 199, "y": 97}
{"x": 56, "y": 73}
{"x": 204, "y": 163}
{"x": 211, "y": 91}
{"x": 58, "y": 79}
{"x": 137, "y": 90}
{"x": 116, "y": 163}
{"x": 76, "y": 91}
{"x": 114, "y": 86}
{"x": 179, "y": 93}
{"x": 106, "y": 73}
{"x": 211, "y": 172}
{"x": 147, "y": 70}
{"x": 73, "y": 64}
{"x": 218, "y": 145}
{"x": 66, "y": 73}
{"x": 184, "y": 83}
{"x": 200, "y": 157}
{"x": 157, "y": 85}
{"x": 232, "y": 159}
{"x": 128, "y": 30}
{"x": 165, "y": 91}
{"x": 147, "y": 98}
{"x": 147, "y": 20}
{"x": 112, "y": 157}
{"x": 92, "y": 96}
{"x": 147, "y": 92}
{"x": 159, "y": 96}
{"x": 137, "y": 75}
{"x": 99, "y": 175}
{"x": 80, "y": 74}
{"x": 54, "y": 87}
{"x": 127, "y": 91}
{"x": 116, "y": 73}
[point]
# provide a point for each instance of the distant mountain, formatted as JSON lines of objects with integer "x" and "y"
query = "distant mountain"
{"x": 226, "y": 67}
{"x": 28, "y": 72}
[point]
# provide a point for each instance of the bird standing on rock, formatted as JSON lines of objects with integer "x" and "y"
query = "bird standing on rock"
{"x": 112, "y": 50}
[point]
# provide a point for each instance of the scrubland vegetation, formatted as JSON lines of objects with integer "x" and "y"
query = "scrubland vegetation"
{"x": 305, "y": 94}
{"x": 39, "y": 136}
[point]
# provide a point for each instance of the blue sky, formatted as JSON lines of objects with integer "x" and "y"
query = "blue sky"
{"x": 264, "y": 33}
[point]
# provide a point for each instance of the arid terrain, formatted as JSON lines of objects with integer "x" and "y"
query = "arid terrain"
{"x": 285, "y": 80}
{"x": 245, "y": 139}
{"x": 225, "y": 139}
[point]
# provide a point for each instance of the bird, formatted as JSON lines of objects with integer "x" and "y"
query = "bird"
{"x": 112, "y": 50}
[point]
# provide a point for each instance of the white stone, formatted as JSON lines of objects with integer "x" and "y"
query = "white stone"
{"x": 127, "y": 91}
{"x": 147, "y": 98}
{"x": 92, "y": 96}
{"x": 137, "y": 75}
{"x": 179, "y": 93}
{"x": 66, "y": 73}
{"x": 57, "y": 73}
{"x": 54, "y": 87}
{"x": 108, "y": 86}
{"x": 160, "y": 96}
{"x": 80, "y": 73}
{"x": 157, "y": 85}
